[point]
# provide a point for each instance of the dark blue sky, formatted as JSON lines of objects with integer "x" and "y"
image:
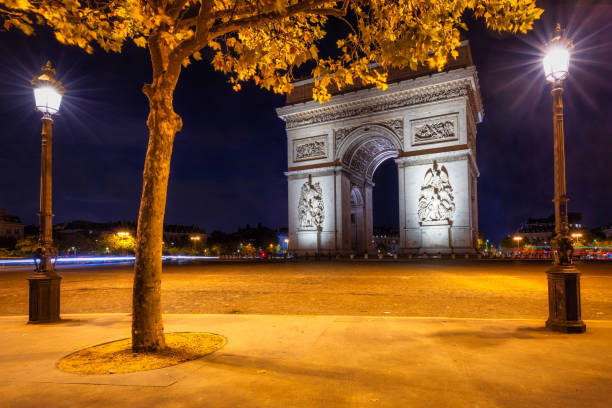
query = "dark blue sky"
{"x": 229, "y": 159}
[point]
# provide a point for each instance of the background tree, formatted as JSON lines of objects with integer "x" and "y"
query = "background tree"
{"x": 248, "y": 250}
{"x": 220, "y": 243}
{"x": 8, "y": 243}
{"x": 260, "y": 237}
{"x": 27, "y": 245}
{"x": 265, "y": 41}
{"x": 76, "y": 243}
{"x": 116, "y": 243}
{"x": 507, "y": 243}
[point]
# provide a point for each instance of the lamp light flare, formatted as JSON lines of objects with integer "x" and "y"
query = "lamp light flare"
{"x": 47, "y": 99}
{"x": 556, "y": 64}
{"x": 556, "y": 61}
{"x": 48, "y": 91}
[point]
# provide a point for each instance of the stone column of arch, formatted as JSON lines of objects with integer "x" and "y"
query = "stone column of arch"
{"x": 427, "y": 124}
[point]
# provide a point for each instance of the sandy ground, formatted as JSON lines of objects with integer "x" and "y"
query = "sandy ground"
{"x": 476, "y": 289}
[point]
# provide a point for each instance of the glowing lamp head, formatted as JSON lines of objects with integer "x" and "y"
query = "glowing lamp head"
{"x": 48, "y": 91}
{"x": 556, "y": 61}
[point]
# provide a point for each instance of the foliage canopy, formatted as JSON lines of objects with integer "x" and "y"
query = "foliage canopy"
{"x": 266, "y": 41}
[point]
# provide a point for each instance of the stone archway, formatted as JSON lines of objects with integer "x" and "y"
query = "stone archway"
{"x": 426, "y": 123}
{"x": 360, "y": 152}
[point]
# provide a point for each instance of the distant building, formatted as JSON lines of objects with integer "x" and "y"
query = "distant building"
{"x": 184, "y": 233}
{"x": 543, "y": 229}
{"x": 607, "y": 231}
{"x": 172, "y": 233}
{"x": 387, "y": 237}
{"x": 10, "y": 225}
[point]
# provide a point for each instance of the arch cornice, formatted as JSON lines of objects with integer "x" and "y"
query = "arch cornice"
{"x": 438, "y": 87}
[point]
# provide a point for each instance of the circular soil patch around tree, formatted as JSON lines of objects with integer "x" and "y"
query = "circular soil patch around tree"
{"x": 117, "y": 357}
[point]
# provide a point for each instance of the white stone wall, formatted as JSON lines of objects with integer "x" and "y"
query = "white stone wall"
{"x": 309, "y": 239}
{"x": 460, "y": 172}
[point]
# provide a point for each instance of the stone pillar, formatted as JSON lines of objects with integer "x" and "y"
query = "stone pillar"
{"x": 368, "y": 229}
{"x": 401, "y": 180}
{"x": 343, "y": 212}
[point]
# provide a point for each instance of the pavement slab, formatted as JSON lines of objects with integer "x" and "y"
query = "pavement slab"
{"x": 319, "y": 361}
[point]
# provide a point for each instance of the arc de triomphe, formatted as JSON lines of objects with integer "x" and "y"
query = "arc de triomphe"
{"x": 425, "y": 121}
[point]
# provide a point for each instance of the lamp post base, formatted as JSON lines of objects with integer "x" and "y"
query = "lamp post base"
{"x": 44, "y": 298}
{"x": 564, "y": 300}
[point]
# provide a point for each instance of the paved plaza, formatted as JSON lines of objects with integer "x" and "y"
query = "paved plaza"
{"x": 459, "y": 288}
{"x": 324, "y": 334}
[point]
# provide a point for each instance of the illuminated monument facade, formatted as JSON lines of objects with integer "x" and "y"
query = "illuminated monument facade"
{"x": 426, "y": 122}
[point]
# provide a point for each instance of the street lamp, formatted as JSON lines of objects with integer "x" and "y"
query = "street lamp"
{"x": 44, "y": 282}
{"x": 576, "y": 236}
{"x": 563, "y": 278}
{"x": 518, "y": 240}
{"x": 195, "y": 239}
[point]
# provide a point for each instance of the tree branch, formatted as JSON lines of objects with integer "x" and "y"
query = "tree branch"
{"x": 191, "y": 45}
{"x": 307, "y": 7}
{"x": 175, "y": 8}
{"x": 206, "y": 18}
{"x": 156, "y": 56}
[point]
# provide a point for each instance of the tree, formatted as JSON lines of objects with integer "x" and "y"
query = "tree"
{"x": 507, "y": 243}
{"x": 75, "y": 243}
{"x": 117, "y": 243}
{"x": 27, "y": 245}
{"x": 266, "y": 41}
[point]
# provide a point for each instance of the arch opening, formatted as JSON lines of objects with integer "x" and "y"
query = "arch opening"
{"x": 385, "y": 208}
{"x": 365, "y": 150}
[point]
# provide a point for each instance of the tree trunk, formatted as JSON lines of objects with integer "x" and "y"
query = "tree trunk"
{"x": 163, "y": 123}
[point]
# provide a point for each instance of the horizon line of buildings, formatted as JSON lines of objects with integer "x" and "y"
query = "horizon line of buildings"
{"x": 533, "y": 230}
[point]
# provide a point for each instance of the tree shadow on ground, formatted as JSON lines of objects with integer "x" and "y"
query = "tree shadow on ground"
{"x": 493, "y": 335}
{"x": 105, "y": 322}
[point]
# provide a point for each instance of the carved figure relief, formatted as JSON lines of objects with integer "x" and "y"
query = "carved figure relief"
{"x": 431, "y": 130}
{"x": 436, "y": 202}
{"x": 434, "y": 131}
{"x": 310, "y": 206}
{"x": 310, "y": 148}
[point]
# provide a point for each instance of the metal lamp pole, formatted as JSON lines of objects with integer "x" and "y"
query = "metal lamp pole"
{"x": 44, "y": 282}
{"x": 563, "y": 278}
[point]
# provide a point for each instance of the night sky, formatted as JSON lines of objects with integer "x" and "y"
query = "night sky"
{"x": 229, "y": 159}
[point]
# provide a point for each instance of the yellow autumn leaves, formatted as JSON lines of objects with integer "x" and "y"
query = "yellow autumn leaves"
{"x": 268, "y": 41}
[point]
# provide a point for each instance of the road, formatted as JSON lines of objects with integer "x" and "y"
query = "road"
{"x": 470, "y": 289}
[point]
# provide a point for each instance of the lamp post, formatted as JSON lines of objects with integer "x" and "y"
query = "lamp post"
{"x": 195, "y": 239}
{"x": 576, "y": 235}
{"x": 124, "y": 242}
{"x": 563, "y": 278}
{"x": 518, "y": 240}
{"x": 44, "y": 282}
